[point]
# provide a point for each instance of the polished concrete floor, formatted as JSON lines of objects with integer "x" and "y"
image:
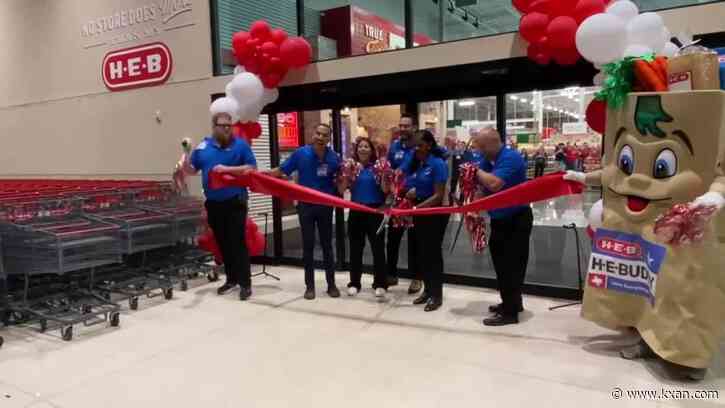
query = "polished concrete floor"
{"x": 279, "y": 350}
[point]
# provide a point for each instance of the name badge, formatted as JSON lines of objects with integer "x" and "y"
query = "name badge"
{"x": 322, "y": 170}
{"x": 399, "y": 155}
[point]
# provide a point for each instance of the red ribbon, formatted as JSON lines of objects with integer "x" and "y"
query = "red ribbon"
{"x": 539, "y": 189}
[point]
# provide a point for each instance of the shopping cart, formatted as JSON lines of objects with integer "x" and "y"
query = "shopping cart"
{"x": 53, "y": 243}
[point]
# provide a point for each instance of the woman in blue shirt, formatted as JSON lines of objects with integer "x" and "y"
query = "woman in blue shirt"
{"x": 367, "y": 191}
{"x": 427, "y": 177}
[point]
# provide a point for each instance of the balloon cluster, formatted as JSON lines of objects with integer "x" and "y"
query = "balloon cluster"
{"x": 550, "y": 27}
{"x": 265, "y": 56}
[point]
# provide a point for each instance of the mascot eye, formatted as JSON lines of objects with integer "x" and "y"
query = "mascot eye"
{"x": 665, "y": 164}
{"x": 626, "y": 160}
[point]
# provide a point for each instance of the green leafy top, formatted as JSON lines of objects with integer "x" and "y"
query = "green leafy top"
{"x": 619, "y": 80}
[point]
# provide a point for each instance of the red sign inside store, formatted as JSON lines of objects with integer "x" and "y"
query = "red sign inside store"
{"x": 136, "y": 67}
{"x": 288, "y": 130}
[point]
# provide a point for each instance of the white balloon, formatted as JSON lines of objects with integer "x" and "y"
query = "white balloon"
{"x": 595, "y": 215}
{"x": 601, "y": 38}
{"x": 647, "y": 29}
{"x": 270, "y": 95}
{"x": 228, "y": 90}
{"x": 246, "y": 87}
{"x": 625, "y": 9}
{"x": 250, "y": 111}
{"x": 670, "y": 50}
{"x": 637, "y": 50}
{"x": 225, "y": 105}
{"x": 599, "y": 78}
{"x": 239, "y": 70}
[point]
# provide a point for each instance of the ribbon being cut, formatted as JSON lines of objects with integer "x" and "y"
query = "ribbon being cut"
{"x": 542, "y": 188}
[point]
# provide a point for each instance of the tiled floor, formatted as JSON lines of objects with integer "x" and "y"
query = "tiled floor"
{"x": 279, "y": 350}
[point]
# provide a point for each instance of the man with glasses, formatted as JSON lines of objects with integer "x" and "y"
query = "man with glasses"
{"x": 227, "y": 208}
{"x": 316, "y": 165}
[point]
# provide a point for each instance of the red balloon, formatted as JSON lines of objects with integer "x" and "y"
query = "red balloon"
{"x": 253, "y": 65}
{"x": 295, "y": 52}
{"x": 597, "y": 116}
{"x": 278, "y": 36}
{"x": 271, "y": 80}
{"x": 533, "y": 26}
{"x": 260, "y": 30}
{"x": 566, "y": 57}
{"x": 561, "y": 33}
{"x": 270, "y": 49}
{"x": 539, "y": 53}
{"x": 239, "y": 45}
{"x": 586, "y": 8}
{"x": 254, "y": 238}
{"x": 252, "y": 130}
{"x": 521, "y": 5}
{"x": 553, "y": 8}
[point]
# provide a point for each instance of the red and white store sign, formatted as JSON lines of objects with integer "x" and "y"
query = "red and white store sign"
{"x": 137, "y": 67}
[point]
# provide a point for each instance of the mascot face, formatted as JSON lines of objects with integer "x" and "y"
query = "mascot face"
{"x": 661, "y": 150}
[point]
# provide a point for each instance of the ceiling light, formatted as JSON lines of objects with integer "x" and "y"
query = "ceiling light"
{"x": 523, "y": 100}
{"x": 467, "y": 103}
{"x": 514, "y": 97}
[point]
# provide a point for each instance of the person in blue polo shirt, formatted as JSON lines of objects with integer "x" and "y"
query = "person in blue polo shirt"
{"x": 227, "y": 207}
{"x": 368, "y": 191}
{"x": 401, "y": 151}
{"x": 501, "y": 168}
{"x": 316, "y": 165}
{"x": 428, "y": 175}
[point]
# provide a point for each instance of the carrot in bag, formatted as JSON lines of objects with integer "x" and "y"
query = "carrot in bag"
{"x": 648, "y": 77}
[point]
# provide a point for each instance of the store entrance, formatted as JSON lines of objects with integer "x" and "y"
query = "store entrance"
{"x": 546, "y": 124}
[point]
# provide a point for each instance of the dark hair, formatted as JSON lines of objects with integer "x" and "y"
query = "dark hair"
{"x": 427, "y": 137}
{"x": 407, "y": 115}
{"x": 373, "y": 151}
{"x": 324, "y": 125}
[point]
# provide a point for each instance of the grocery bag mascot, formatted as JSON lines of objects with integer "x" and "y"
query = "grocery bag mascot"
{"x": 658, "y": 258}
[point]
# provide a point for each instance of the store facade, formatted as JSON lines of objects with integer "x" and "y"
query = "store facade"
{"x": 119, "y": 87}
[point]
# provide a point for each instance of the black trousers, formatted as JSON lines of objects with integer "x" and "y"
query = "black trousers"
{"x": 316, "y": 216}
{"x": 539, "y": 169}
{"x": 361, "y": 226}
{"x": 395, "y": 236}
{"x": 429, "y": 233}
{"x": 509, "y": 246}
{"x": 227, "y": 220}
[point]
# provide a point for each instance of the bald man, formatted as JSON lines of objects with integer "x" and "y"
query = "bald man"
{"x": 501, "y": 168}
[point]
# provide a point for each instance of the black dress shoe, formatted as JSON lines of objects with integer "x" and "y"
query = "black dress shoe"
{"x": 392, "y": 281}
{"x": 415, "y": 286}
{"x": 500, "y": 320}
{"x": 433, "y": 304}
{"x": 309, "y": 294}
{"x": 499, "y": 308}
{"x": 422, "y": 299}
{"x": 225, "y": 288}
{"x": 333, "y": 292}
{"x": 244, "y": 293}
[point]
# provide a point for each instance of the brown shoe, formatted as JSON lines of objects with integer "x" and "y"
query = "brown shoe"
{"x": 415, "y": 286}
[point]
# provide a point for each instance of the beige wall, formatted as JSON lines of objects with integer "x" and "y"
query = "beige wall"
{"x": 56, "y": 117}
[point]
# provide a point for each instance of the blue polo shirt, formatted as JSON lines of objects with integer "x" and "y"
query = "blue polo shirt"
{"x": 430, "y": 172}
{"x": 208, "y": 154}
{"x": 510, "y": 167}
{"x": 472, "y": 156}
{"x": 313, "y": 173}
{"x": 366, "y": 189}
{"x": 397, "y": 155}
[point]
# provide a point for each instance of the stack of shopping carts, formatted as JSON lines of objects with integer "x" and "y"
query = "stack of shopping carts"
{"x": 70, "y": 249}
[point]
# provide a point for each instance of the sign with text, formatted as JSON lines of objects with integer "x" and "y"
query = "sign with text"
{"x": 574, "y": 128}
{"x": 625, "y": 263}
{"x": 288, "y": 130}
{"x": 136, "y": 67}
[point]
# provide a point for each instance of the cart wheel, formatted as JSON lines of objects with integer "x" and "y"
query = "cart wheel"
{"x": 184, "y": 286}
{"x": 115, "y": 319}
{"x": 43, "y": 326}
{"x": 87, "y": 309}
{"x": 169, "y": 293}
{"x": 67, "y": 333}
{"x": 133, "y": 303}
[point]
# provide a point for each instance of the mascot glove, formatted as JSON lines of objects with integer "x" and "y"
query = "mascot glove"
{"x": 711, "y": 199}
{"x": 577, "y": 176}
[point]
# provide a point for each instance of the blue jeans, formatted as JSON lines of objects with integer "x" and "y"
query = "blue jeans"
{"x": 312, "y": 216}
